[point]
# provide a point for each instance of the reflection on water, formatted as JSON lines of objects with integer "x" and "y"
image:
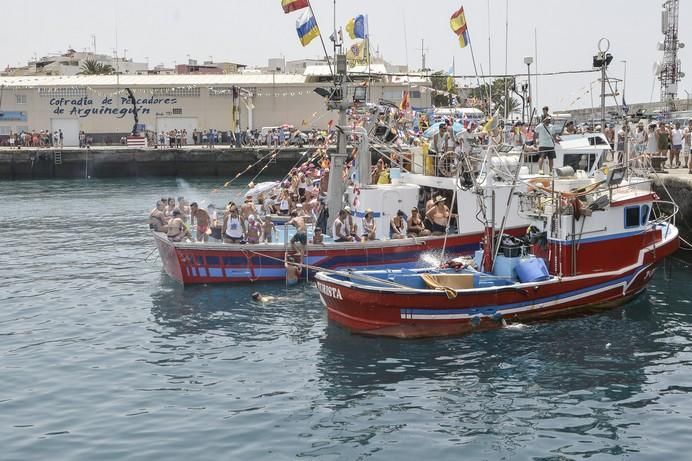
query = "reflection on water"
{"x": 100, "y": 348}
{"x": 230, "y": 311}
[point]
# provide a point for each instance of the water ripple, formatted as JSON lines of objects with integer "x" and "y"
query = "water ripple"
{"x": 104, "y": 357}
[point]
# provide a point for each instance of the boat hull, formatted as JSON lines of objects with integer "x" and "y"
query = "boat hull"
{"x": 196, "y": 263}
{"x": 390, "y": 311}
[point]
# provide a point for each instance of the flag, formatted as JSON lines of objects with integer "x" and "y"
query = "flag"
{"x": 450, "y": 83}
{"x": 355, "y": 54}
{"x": 404, "y": 105}
{"x": 492, "y": 123}
{"x": 458, "y": 24}
{"x": 294, "y": 5}
{"x": 306, "y": 26}
{"x": 356, "y": 27}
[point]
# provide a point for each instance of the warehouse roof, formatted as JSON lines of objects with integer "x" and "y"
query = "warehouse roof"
{"x": 248, "y": 79}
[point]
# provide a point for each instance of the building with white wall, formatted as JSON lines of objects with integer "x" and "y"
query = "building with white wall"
{"x": 100, "y": 104}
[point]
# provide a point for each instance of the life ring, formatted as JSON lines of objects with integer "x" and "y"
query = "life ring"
{"x": 447, "y": 164}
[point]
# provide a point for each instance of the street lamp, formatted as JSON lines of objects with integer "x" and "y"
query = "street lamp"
{"x": 528, "y": 60}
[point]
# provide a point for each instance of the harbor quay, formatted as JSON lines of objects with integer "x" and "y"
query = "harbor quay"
{"x": 678, "y": 183}
{"x": 127, "y": 162}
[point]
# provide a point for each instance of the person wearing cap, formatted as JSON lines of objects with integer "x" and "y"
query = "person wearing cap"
{"x": 369, "y": 225}
{"x": 440, "y": 140}
{"x": 397, "y": 226}
{"x": 415, "y": 224}
{"x": 438, "y": 216}
{"x": 177, "y": 230}
{"x": 546, "y": 144}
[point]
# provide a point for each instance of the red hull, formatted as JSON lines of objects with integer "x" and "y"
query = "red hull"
{"x": 191, "y": 263}
{"x": 424, "y": 312}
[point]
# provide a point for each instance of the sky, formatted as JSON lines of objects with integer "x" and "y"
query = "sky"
{"x": 565, "y": 35}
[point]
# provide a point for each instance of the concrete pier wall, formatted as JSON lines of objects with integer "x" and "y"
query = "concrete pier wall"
{"x": 680, "y": 188}
{"x": 119, "y": 162}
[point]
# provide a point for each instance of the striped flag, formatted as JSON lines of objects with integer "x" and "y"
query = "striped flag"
{"x": 458, "y": 24}
{"x": 294, "y": 5}
{"x": 306, "y": 26}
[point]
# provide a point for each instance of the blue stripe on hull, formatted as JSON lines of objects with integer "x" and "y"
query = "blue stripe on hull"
{"x": 490, "y": 310}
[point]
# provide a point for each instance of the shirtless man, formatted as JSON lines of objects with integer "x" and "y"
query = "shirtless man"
{"x": 203, "y": 220}
{"x": 293, "y": 269}
{"x": 157, "y": 219}
{"x": 267, "y": 230}
{"x": 301, "y": 235}
{"x": 438, "y": 216}
{"x": 247, "y": 208}
{"x": 177, "y": 230}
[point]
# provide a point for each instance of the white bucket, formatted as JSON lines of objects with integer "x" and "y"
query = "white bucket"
{"x": 395, "y": 175}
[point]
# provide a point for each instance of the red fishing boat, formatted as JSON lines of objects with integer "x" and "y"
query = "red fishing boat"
{"x": 594, "y": 244}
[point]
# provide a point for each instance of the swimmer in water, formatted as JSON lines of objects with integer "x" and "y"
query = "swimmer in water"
{"x": 257, "y": 296}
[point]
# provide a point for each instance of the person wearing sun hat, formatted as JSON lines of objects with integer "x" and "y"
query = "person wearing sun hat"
{"x": 369, "y": 225}
{"x": 439, "y": 216}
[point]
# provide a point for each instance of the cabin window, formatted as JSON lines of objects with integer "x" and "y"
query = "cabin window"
{"x": 645, "y": 214}
{"x": 580, "y": 161}
{"x": 632, "y": 216}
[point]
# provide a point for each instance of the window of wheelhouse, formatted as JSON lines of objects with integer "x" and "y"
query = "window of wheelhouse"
{"x": 632, "y": 216}
{"x": 645, "y": 214}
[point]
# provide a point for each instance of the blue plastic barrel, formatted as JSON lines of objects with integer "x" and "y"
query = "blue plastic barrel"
{"x": 532, "y": 270}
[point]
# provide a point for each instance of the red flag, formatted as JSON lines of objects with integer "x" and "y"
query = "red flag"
{"x": 294, "y": 5}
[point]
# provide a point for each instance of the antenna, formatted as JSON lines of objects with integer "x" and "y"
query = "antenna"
{"x": 423, "y": 49}
{"x": 670, "y": 73}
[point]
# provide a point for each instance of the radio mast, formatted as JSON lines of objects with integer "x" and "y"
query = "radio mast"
{"x": 670, "y": 73}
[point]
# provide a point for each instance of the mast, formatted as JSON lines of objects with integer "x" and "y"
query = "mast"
{"x": 338, "y": 101}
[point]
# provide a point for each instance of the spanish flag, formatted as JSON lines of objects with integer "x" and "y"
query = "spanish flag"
{"x": 306, "y": 26}
{"x": 458, "y": 25}
{"x": 294, "y": 5}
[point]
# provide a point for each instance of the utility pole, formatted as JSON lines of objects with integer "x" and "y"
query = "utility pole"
{"x": 422, "y": 54}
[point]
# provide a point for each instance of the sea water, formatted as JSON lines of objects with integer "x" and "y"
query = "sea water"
{"x": 104, "y": 357}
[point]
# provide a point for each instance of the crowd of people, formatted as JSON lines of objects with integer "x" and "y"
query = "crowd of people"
{"x": 37, "y": 138}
